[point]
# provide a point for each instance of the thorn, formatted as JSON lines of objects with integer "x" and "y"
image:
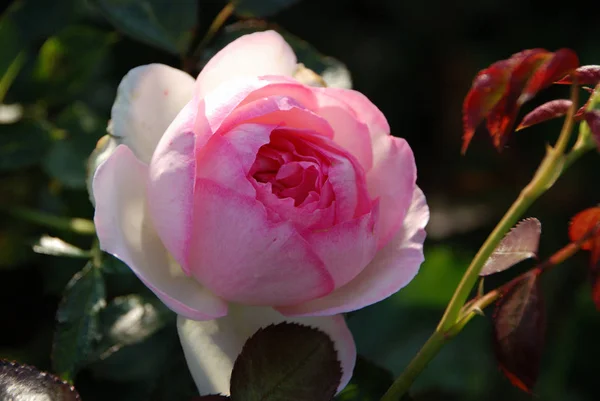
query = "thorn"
{"x": 478, "y": 311}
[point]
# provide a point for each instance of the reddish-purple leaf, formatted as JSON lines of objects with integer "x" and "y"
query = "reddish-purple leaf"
{"x": 562, "y": 62}
{"x": 502, "y": 117}
{"x": 486, "y": 91}
{"x": 586, "y": 75}
{"x": 581, "y": 224}
{"x": 519, "y": 244}
{"x": 518, "y": 331}
{"x": 547, "y": 111}
{"x": 592, "y": 118}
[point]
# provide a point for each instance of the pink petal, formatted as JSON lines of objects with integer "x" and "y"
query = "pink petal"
{"x": 349, "y": 131}
{"x": 171, "y": 178}
{"x": 348, "y": 247}
{"x": 212, "y": 347}
{"x": 125, "y": 230}
{"x": 393, "y": 267}
{"x": 148, "y": 99}
{"x": 253, "y": 55}
{"x": 227, "y": 159}
{"x": 392, "y": 179}
{"x": 244, "y": 257}
{"x": 365, "y": 110}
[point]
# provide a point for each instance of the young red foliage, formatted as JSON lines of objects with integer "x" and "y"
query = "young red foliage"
{"x": 498, "y": 91}
{"x": 592, "y": 117}
{"x": 547, "y": 111}
{"x": 562, "y": 62}
{"x": 518, "y": 331}
{"x": 581, "y": 225}
{"x": 586, "y": 75}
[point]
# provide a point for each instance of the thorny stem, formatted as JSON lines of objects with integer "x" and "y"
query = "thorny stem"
{"x": 554, "y": 163}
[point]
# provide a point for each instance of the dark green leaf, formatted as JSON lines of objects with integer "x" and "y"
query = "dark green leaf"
{"x": 22, "y": 144}
{"x": 27, "y": 21}
{"x": 22, "y": 382}
{"x": 77, "y": 321}
{"x": 131, "y": 319}
{"x": 333, "y": 71}
{"x": 369, "y": 382}
{"x": 162, "y": 23}
{"x": 286, "y": 362}
{"x": 68, "y": 156}
{"x": 260, "y": 8}
{"x": 68, "y": 61}
{"x": 143, "y": 361}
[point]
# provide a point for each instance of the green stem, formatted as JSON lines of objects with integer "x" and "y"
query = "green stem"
{"x": 419, "y": 362}
{"x": 10, "y": 74}
{"x": 73, "y": 224}
{"x": 452, "y": 322}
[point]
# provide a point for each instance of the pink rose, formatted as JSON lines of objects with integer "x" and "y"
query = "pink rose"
{"x": 246, "y": 198}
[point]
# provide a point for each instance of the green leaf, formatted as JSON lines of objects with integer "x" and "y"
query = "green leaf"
{"x": 77, "y": 321}
{"x": 333, "y": 71}
{"x": 260, "y": 8}
{"x": 22, "y": 382}
{"x": 22, "y": 144}
{"x": 288, "y": 362}
{"x": 165, "y": 24}
{"x": 53, "y": 246}
{"x": 67, "y": 158}
{"x": 369, "y": 382}
{"x": 129, "y": 320}
{"x": 143, "y": 361}
{"x": 68, "y": 61}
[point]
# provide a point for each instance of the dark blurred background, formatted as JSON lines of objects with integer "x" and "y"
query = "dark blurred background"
{"x": 415, "y": 60}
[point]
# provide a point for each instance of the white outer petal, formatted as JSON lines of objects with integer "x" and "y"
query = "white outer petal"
{"x": 148, "y": 99}
{"x": 211, "y": 347}
{"x": 126, "y": 231}
{"x": 253, "y": 55}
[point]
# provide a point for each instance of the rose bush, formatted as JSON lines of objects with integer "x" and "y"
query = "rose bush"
{"x": 245, "y": 197}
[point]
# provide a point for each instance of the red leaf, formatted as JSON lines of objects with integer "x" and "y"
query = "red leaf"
{"x": 586, "y": 75}
{"x": 519, "y": 244}
{"x": 595, "y": 278}
{"x": 581, "y": 224}
{"x": 545, "y": 112}
{"x": 487, "y": 89}
{"x": 518, "y": 331}
{"x": 563, "y": 62}
{"x": 502, "y": 117}
{"x": 593, "y": 119}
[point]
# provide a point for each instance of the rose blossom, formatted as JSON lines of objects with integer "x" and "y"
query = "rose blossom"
{"x": 247, "y": 198}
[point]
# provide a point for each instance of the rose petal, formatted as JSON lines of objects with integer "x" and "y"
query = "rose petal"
{"x": 244, "y": 257}
{"x": 125, "y": 231}
{"x": 392, "y": 179}
{"x": 212, "y": 347}
{"x": 349, "y": 131}
{"x": 228, "y": 159}
{"x": 148, "y": 99}
{"x": 365, "y": 110}
{"x": 393, "y": 267}
{"x": 348, "y": 247}
{"x": 171, "y": 178}
{"x": 253, "y": 55}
